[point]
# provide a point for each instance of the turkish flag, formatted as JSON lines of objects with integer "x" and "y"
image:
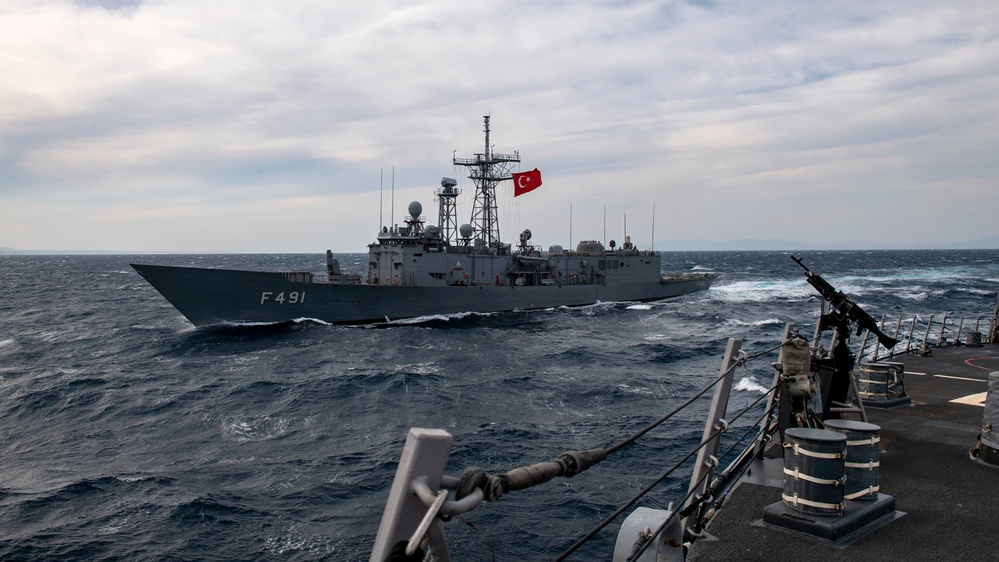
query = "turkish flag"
{"x": 526, "y": 181}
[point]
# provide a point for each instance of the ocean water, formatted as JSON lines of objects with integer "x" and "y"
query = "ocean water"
{"x": 127, "y": 434}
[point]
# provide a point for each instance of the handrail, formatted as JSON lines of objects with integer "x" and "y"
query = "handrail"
{"x": 919, "y": 332}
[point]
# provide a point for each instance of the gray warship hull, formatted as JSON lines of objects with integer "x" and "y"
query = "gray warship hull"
{"x": 214, "y": 297}
{"x": 422, "y": 270}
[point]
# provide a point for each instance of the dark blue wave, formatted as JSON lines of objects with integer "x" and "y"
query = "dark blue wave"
{"x": 130, "y": 435}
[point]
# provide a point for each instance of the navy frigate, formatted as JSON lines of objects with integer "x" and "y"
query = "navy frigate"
{"x": 422, "y": 270}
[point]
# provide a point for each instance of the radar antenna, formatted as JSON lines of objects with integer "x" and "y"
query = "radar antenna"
{"x": 487, "y": 170}
{"x": 447, "y": 213}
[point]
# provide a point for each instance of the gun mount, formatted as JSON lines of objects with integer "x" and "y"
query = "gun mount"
{"x": 844, "y": 311}
{"x": 833, "y": 370}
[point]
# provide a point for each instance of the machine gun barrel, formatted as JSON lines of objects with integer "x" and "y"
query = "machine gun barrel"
{"x": 845, "y": 309}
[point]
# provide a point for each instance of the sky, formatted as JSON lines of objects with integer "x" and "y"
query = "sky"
{"x": 302, "y": 125}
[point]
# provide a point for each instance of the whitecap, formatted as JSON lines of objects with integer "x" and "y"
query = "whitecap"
{"x": 292, "y": 541}
{"x": 749, "y": 384}
{"x": 735, "y": 322}
{"x": 115, "y": 525}
{"x": 635, "y": 390}
{"x": 131, "y": 479}
{"x": 304, "y": 320}
{"x": 762, "y": 291}
{"x": 255, "y": 429}
{"x": 428, "y": 368}
{"x": 428, "y": 318}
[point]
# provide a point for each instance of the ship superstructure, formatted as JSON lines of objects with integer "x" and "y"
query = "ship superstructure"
{"x": 419, "y": 269}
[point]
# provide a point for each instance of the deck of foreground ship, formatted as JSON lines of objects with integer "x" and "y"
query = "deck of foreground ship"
{"x": 948, "y": 500}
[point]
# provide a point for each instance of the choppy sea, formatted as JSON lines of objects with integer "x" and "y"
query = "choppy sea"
{"x": 127, "y": 434}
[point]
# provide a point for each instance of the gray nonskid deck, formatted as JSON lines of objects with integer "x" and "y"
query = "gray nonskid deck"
{"x": 949, "y": 501}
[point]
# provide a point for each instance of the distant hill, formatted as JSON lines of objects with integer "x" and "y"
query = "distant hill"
{"x": 746, "y": 244}
{"x": 987, "y": 243}
{"x": 757, "y": 244}
{"x": 14, "y": 252}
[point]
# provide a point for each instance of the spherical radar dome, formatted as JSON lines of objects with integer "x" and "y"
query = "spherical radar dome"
{"x": 415, "y": 209}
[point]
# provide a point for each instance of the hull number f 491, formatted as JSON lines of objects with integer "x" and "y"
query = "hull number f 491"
{"x": 293, "y": 297}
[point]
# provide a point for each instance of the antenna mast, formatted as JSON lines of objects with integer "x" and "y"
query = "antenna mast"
{"x": 653, "y": 246}
{"x": 447, "y": 216}
{"x": 487, "y": 170}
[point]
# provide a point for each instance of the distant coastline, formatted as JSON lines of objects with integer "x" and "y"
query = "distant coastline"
{"x": 756, "y": 244}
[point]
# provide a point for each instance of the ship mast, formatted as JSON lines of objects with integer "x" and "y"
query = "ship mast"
{"x": 487, "y": 170}
{"x": 447, "y": 216}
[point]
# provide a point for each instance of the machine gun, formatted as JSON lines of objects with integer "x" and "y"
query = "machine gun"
{"x": 843, "y": 310}
{"x": 830, "y": 389}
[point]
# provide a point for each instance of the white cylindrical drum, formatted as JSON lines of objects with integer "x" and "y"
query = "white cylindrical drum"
{"x": 863, "y": 458}
{"x": 813, "y": 470}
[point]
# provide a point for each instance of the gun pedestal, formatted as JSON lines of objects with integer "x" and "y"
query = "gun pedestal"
{"x": 839, "y": 385}
{"x": 837, "y": 521}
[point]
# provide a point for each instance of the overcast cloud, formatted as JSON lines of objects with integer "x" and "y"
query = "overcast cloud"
{"x": 231, "y": 125}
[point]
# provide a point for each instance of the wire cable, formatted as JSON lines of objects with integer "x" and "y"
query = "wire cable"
{"x": 633, "y": 437}
{"x": 593, "y": 532}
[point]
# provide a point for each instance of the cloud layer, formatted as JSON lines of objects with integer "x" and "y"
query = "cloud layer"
{"x": 261, "y": 126}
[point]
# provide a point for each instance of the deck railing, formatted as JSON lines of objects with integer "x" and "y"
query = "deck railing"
{"x": 920, "y": 334}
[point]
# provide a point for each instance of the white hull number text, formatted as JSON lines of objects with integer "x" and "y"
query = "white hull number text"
{"x": 293, "y": 297}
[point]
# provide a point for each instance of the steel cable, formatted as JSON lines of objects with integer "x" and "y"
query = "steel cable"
{"x": 633, "y": 437}
{"x": 593, "y": 532}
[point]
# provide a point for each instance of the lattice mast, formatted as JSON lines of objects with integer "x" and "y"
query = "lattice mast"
{"x": 487, "y": 170}
{"x": 447, "y": 216}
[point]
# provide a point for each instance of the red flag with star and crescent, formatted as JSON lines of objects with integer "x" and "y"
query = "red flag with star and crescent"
{"x": 524, "y": 182}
